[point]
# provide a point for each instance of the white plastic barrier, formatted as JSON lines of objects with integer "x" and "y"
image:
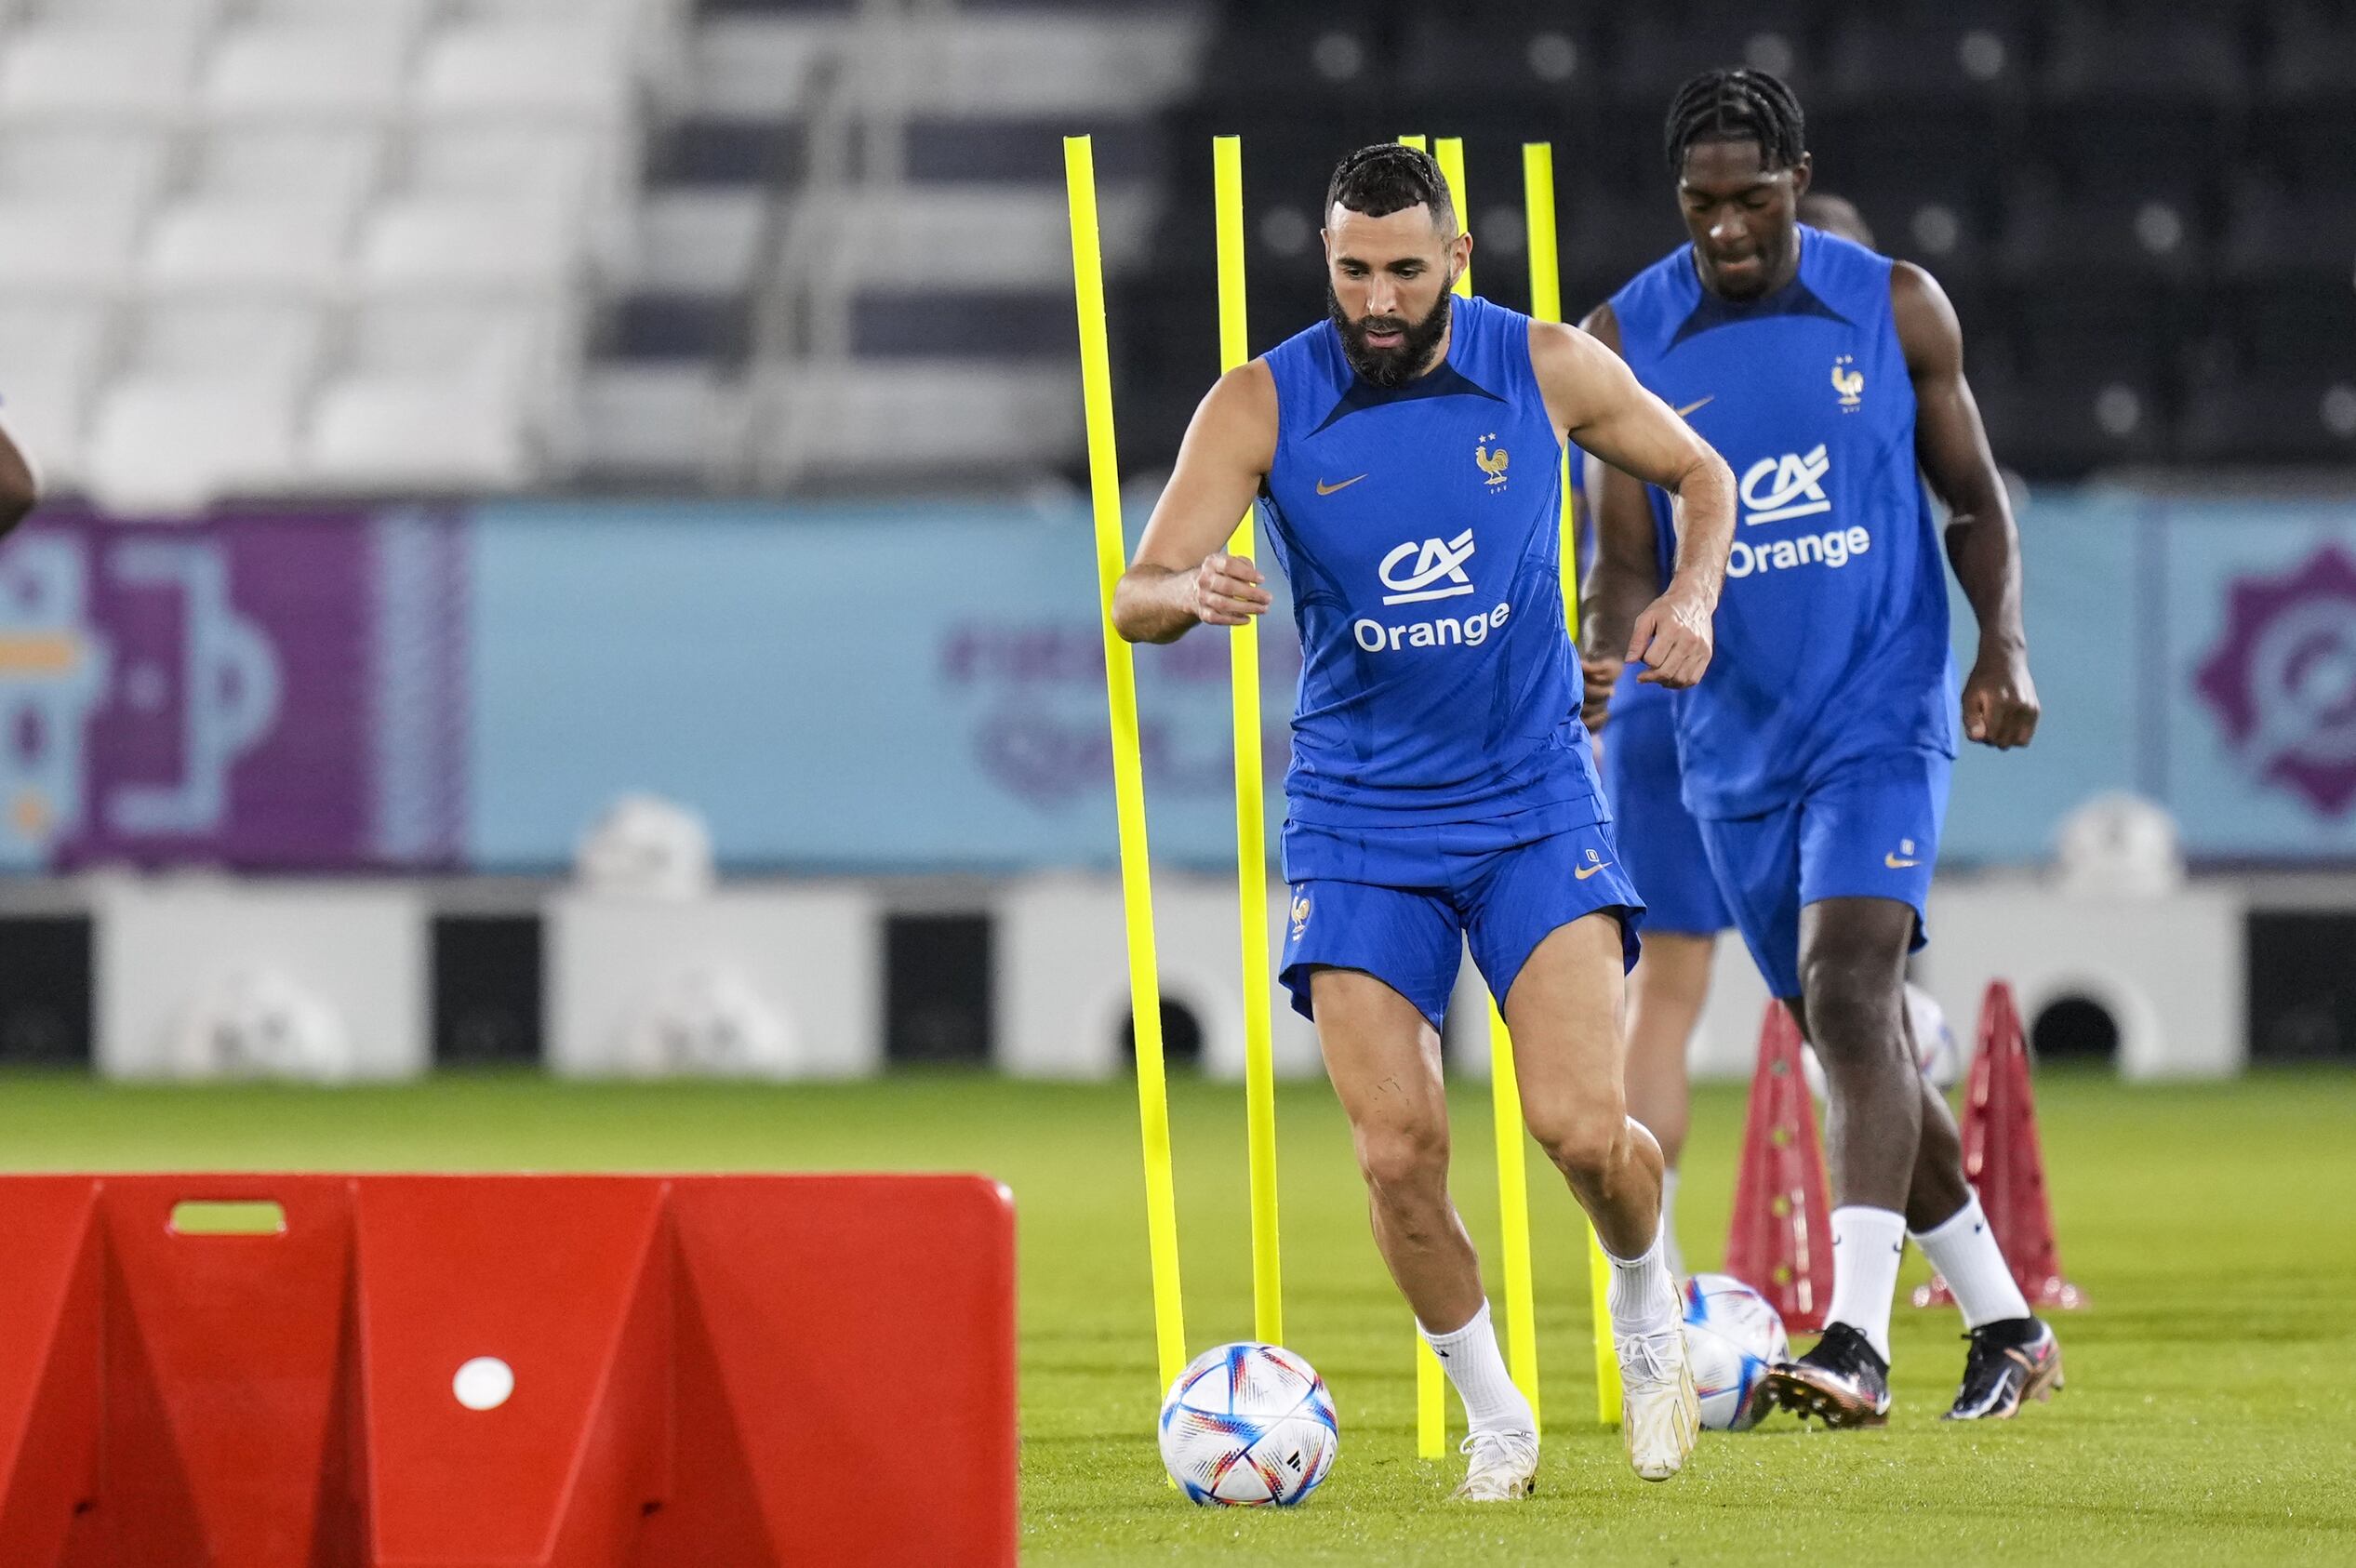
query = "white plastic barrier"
{"x": 1062, "y": 990}
{"x": 2169, "y": 970}
{"x": 302, "y": 979}
{"x": 744, "y": 982}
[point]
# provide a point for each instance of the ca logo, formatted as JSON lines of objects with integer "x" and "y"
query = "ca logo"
{"x": 1791, "y": 485}
{"x": 1435, "y": 560}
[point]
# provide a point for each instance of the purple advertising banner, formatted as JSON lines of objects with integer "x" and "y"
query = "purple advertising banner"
{"x": 275, "y": 690}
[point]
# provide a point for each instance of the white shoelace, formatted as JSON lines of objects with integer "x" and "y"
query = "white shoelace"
{"x": 1512, "y": 1453}
{"x": 1647, "y": 1358}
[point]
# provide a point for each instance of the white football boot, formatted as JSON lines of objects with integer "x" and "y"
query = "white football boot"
{"x": 1659, "y": 1413}
{"x": 1503, "y": 1468}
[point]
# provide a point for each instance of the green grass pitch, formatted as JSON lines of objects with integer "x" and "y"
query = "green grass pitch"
{"x": 2210, "y": 1417}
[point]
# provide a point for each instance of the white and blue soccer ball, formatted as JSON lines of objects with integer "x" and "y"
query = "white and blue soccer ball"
{"x": 1248, "y": 1425}
{"x": 1733, "y": 1335}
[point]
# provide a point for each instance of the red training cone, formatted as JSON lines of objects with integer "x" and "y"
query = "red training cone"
{"x": 1780, "y": 1244}
{"x": 2004, "y": 1163}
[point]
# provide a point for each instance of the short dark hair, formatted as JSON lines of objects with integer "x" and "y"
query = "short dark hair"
{"x": 1391, "y": 177}
{"x": 1737, "y": 106}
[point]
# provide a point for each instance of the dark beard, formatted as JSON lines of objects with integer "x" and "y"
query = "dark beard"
{"x": 1389, "y": 368}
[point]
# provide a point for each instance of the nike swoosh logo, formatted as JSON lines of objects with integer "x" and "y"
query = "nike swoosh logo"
{"x": 1583, "y": 872}
{"x": 1691, "y": 407}
{"x": 1894, "y": 863}
{"x": 1326, "y": 489}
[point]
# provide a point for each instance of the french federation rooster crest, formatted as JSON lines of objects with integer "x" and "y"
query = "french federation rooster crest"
{"x": 1848, "y": 383}
{"x": 1492, "y": 463}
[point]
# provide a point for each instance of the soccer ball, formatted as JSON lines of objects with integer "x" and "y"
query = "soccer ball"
{"x": 1732, "y": 1337}
{"x": 1936, "y": 1052}
{"x": 1248, "y": 1425}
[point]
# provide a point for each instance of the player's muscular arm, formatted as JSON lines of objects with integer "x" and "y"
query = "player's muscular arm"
{"x": 1625, "y": 574}
{"x": 19, "y": 487}
{"x": 1182, "y": 574}
{"x": 1595, "y": 399}
{"x": 2000, "y": 700}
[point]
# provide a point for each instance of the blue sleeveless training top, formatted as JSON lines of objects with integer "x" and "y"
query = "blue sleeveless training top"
{"x": 1832, "y": 632}
{"x": 1420, "y": 530}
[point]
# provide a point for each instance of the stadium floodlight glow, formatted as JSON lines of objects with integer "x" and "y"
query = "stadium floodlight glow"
{"x": 1129, "y": 772}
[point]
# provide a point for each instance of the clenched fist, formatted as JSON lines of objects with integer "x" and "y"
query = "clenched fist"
{"x": 1226, "y": 591}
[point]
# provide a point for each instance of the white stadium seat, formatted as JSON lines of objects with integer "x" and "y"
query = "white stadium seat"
{"x": 335, "y": 169}
{"x": 273, "y": 338}
{"x": 188, "y": 17}
{"x": 678, "y": 422}
{"x": 462, "y": 242}
{"x": 50, "y": 359}
{"x": 764, "y": 68}
{"x": 118, "y": 167}
{"x": 65, "y": 246}
{"x": 1012, "y": 66}
{"x": 530, "y": 70}
{"x": 702, "y": 240}
{"x": 395, "y": 431}
{"x": 342, "y": 73}
{"x": 911, "y": 236}
{"x": 852, "y": 420}
{"x": 116, "y": 75}
{"x": 401, "y": 20}
{"x": 178, "y": 442}
{"x": 241, "y": 243}
{"x": 558, "y": 165}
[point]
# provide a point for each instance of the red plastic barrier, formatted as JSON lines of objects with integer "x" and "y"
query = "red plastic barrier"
{"x": 708, "y": 1372}
{"x": 2006, "y": 1163}
{"x": 1780, "y": 1241}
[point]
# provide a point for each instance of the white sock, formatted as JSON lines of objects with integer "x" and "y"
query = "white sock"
{"x": 1642, "y": 1296}
{"x": 1469, "y": 1357}
{"x": 1669, "y": 1223}
{"x": 1963, "y": 1249}
{"x": 1867, "y": 1245}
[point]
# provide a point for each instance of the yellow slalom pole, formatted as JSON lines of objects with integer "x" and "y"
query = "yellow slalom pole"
{"x": 1505, "y": 1092}
{"x": 1448, "y": 152}
{"x": 1432, "y": 1383}
{"x": 1129, "y": 778}
{"x": 1251, "y": 823}
{"x": 1546, "y": 304}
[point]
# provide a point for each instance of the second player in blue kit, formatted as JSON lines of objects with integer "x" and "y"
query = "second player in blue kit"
{"x": 1815, "y": 755}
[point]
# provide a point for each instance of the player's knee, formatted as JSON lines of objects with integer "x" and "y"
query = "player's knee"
{"x": 1405, "y": 1160}
{"x": 1587, "y": 1142}
{"x": 1854, "y": 1011}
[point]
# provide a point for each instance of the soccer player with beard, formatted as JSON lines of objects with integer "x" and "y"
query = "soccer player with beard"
{"x": 1660, "y": 845}
{"x": 1817, "y": 756}
{"x": 1406, "y": 456}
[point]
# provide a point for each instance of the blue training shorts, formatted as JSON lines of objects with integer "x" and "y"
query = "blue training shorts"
{"x": 1400, "y": 903}
{"x": 1659, "y": 841}
{"x": 1867, "y": 830}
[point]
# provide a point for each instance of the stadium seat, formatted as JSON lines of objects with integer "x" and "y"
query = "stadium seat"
{"x": 65, "y": 246}
{"x": 306, "y": 71}
{"x": 852, "y": 424}
{"x": 1528, "y": 55}
{"x": 1931, "y": 56}
{"x": 528, "y": 70}
{"x": 976, "y": 238}
{"x": 702, "y": 240}
{"x": 657, "y": 324}
{"x": 1063, "y": 63}
{"x": 50, "y": 359}
{"x": 2305, "y": 420}
{"x": 510, "y": 343}
{"x": 248, "y": 243}
{"x": 275, "y": 339}
{"x": 702, "y": 150}
{"x": 334, "y": 170}
{"x": 2310, "y": 50}
{"x": 762, "y": 69}
{"x": 119, "y": 75}
{"x": 177, "y": 442}
{"x": 2144, "y": 55}
{"x": 2271, "y": 231}
{"x": 652, "y": 423}
{"x": 416, "y": 432}
{"x": 432, "y": 243}
{"x": 555, "y": 165}
{"x": 1303, "y": 59}
{"x": 121, "y": 169}
{"x": 2070, "y": 425}
{"x": 1657, "y": 53}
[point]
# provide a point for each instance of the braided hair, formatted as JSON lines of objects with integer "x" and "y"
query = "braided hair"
{"x": 1391, "y": 177}
{"x": 1737, "y": 106}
